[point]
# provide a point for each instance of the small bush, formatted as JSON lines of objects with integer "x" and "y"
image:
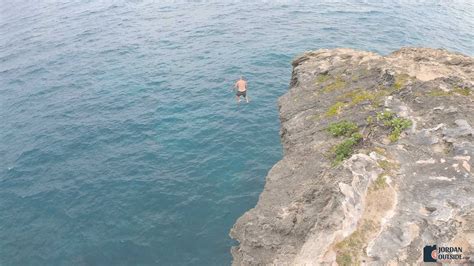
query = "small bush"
{"x": 385, "y": 115}
{"x": 396, "y": 124}
{"x": 345, "y": 149}
{"x": 370, "y": 120}
{"x": 342, "y": 128}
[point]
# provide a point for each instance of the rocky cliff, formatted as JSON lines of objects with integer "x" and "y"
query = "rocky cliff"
{"x": 378, "y": 162}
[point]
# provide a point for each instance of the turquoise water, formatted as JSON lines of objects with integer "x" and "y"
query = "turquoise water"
{"x": 121, "y": 142}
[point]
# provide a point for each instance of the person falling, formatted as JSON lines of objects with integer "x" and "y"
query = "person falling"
{"x": 241, "y": 86}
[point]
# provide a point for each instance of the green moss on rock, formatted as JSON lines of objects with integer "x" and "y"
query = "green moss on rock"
{"x": 335, "y": 109}
{"x": 454, "y": 91}
{"x": 400, "y": 81}
{"x": 337, "y": 84}
{"x": 380, "y": 182}
{"x": 462, "y": 91}
{"x": 438, "y": 93}
{"x": 358, "y": 96}
{"x": 322, "y": 78}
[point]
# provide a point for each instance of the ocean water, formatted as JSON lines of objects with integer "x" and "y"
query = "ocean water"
{"x": 120, "y": 140}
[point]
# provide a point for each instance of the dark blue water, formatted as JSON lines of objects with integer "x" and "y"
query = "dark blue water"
{"x": 121, "y": 142}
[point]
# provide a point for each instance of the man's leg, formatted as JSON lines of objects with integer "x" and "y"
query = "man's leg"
{"x": 246, "y": 99}
{"x": 237, "y": 98}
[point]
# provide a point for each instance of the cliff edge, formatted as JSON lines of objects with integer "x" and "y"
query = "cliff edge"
{"x": 378, "y": 162}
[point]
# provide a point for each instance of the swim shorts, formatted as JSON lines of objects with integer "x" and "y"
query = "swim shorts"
{"x": 242, "y": 93}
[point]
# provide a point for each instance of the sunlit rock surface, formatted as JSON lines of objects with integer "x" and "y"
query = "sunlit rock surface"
{"x": 406, "y": 184}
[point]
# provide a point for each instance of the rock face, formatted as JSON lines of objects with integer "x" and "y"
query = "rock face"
{"x": 378, "y": 162}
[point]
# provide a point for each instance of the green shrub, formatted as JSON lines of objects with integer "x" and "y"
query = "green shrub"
{"x": 396, "y": 124}
{"x": 342, "y": 128}
{"x": 345, "y": 149}
{"x": 370, "y": 120}
{"x": 385, "y": 115}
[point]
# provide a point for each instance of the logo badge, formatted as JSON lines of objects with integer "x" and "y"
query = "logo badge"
{"x": 430, "y": 253}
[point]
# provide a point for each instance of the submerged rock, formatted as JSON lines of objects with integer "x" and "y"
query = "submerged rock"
{"x": 377, "y": 192}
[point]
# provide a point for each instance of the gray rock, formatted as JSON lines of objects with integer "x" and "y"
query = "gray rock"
{"x": 393, "y": 194}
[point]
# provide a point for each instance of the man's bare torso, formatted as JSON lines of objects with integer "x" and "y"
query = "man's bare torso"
{"x": 241, "y": 85}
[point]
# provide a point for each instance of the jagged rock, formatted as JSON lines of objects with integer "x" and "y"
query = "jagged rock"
{"x": 391, "y": 193}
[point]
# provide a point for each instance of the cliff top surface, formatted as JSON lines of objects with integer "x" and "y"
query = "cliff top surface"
{"x": 378, "y": 161}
